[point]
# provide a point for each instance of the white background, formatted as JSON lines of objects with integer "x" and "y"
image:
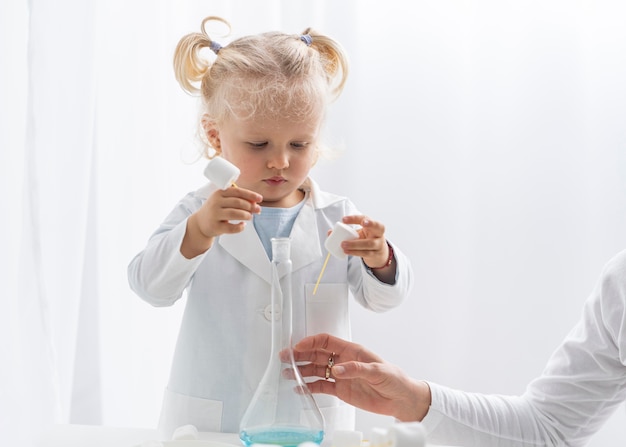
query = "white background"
{"x": 488, "y": 136}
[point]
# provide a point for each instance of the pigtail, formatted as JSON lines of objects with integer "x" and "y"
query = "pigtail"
{"x": 334, "y": 58}
{"x": 189, "y": 66}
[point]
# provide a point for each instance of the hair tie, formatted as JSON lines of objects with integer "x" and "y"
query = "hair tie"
{"x": 306, "y": 38}
{"x": 216, "y": 47}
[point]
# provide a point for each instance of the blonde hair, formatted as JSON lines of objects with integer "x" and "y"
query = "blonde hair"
{"x": 277, "y": 74}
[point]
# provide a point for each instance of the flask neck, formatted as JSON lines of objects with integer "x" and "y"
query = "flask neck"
{"x": 282, "y": 328}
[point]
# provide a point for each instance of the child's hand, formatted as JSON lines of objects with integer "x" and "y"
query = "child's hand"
{"x": 371, "y": 244}
{"x": 214, "y": 218}
{"x": 223, "y": 206}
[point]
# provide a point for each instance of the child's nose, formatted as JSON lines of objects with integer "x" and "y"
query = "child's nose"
{"x": 278, "y": 160}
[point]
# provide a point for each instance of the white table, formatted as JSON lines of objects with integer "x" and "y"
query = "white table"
{"x": 71, "y": 435}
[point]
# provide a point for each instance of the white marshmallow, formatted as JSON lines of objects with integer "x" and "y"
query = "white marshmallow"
{"x": 341, "y": 232}
{"x": 185, "y": 432}
{"x": 221, "y": 172}
{"x": 347, "y": 438}
{"x": 407, "y": 434}
{"x": 379, "y": 437}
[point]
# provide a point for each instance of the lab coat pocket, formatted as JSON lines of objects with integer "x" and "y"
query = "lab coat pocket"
{"x": 327, "y": 310}
{"x": 179, "y": 409}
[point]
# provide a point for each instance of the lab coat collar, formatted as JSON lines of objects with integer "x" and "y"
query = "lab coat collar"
{"x": 246, "y": 246}
{"x": 320, "y": 199}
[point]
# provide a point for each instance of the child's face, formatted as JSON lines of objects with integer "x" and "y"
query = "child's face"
{"x": 274, "y": 155}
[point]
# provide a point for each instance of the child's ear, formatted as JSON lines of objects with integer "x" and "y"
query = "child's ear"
{"x": 211, "y": 132}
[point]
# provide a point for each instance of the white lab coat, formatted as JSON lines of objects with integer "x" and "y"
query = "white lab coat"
{"x": 581, "y": 386}
{"x": 224, "y": 339}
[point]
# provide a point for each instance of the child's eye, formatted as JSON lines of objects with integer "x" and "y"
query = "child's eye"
{"x": 299, "y": 145}
{"x": 258, "y": 144}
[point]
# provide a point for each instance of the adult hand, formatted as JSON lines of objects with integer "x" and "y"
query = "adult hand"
{"x": 361, "y": 378}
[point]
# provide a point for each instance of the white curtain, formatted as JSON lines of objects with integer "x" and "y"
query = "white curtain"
{"x": 488, "y": 136}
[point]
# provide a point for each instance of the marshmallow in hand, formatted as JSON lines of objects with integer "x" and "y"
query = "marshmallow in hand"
{"x": 341, "y": 232}
{"x": 221, "y": 172}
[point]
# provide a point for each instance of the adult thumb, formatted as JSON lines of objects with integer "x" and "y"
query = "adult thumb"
{"x": 352, "y": 370}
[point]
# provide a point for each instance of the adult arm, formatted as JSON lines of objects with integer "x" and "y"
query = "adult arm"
{"x": 582, "y": 384}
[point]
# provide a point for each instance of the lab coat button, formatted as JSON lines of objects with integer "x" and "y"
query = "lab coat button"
{"x": 268, "y": 313}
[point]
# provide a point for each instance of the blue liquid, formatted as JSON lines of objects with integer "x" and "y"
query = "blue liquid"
{"x": 283, "y": 436}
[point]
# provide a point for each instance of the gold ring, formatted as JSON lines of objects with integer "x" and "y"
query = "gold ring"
{"x": 331, "y": 362}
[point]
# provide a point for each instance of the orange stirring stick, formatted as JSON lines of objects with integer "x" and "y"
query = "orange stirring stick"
{"x": 321, "y": 273}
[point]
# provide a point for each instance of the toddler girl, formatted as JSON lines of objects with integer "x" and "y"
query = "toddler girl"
{"x": 264, "y": 99}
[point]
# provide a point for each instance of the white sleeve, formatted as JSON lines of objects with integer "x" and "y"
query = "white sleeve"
{"x": 376, "y": 295}
{"x": 581, "y": 386}
{"x": 472, "y": 419}
{"x": 160, "y": 273}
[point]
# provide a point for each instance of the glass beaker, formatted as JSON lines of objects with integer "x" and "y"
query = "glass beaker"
{"x": 282, "y": 411}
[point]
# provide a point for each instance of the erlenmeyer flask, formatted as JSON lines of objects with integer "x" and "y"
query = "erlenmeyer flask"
{"x": 282, "y": 411}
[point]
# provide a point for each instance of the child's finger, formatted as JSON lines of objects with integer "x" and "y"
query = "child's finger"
{"x": 354, "y": 219}
{"x": 243, "y": 193}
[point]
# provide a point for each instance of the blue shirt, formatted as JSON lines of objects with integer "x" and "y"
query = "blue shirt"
{"x": 275, "y": 222}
